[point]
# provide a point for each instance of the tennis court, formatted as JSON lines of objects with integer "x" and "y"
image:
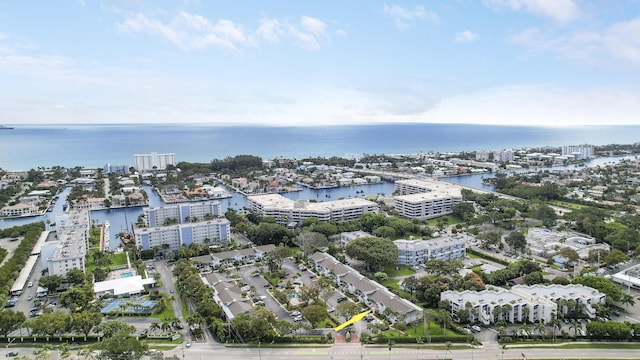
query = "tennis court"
{"x": 129, "y": 306}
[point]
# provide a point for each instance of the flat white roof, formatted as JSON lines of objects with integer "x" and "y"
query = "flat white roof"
{"x": 122, "y": 286}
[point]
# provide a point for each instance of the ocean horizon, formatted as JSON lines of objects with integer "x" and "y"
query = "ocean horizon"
{"x": 94, "y": 145}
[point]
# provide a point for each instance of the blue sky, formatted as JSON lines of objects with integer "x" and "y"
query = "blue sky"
{"x": 528, "y": 62}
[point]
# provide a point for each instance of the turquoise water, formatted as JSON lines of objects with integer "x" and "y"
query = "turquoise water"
{"x": 126, "y": 275}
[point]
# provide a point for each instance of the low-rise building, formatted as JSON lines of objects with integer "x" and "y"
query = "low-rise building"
{"x": 19, "y": 209}
{"x": 286, "y": 211}
{"x": 228, "y": 295}
{"x": 375, "y": 296}
{"x": 535, "y": 303}
{"x": 546, "y": 243}
{"x": 414, "y": 252}
{"x": 248, "y": 255}
{"x": 428, "y": 205}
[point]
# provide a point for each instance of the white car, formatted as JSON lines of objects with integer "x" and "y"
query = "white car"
{"x": 188, "y": 343}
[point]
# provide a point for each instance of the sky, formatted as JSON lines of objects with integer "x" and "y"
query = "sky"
{"x": 291, "y": 62}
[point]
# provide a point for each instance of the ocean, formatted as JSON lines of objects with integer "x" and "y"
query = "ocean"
{"x": 32, "y": 146}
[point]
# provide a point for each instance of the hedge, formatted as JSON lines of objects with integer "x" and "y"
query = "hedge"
{"x": 488, "y": 257}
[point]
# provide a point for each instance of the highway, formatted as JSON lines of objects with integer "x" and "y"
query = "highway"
{"x": 355, "y": 351}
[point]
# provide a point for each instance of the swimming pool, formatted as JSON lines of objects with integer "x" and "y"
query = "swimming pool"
{"x": 126, "y": 275}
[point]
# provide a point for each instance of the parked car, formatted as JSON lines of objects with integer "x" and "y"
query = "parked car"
{"x": 188, "y": 343}
{"x": 12, "y": 354}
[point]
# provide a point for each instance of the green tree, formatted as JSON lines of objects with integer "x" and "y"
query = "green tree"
{"x": 51, "y": 283}
{"x": 464, "y": 211}
{"x": 77, "y": 298}
{"x": 627, "y": 299}
{"x": 601, "y": 284}
{"x": 310, "y": 241}
{"x": 347, "y": 309}
{"x": 375, "y": 252}
{"x": 314, "y": 313}
{"x": 386, "y": 232}
{"x": 614, "y": 257}
{"x": 75, "y": 277}
{"x": 121, "y": 347}
{"x": 516, "y": 240}
{"x": 84, "y": 322}
{"x": 112, "y": 328}
{"x": 570, "y": 254}
{"x": 10, "y": 320}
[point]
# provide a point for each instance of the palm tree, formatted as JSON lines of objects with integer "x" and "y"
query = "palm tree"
{"x": 575, "y": 326}
{"x": 540, "y": 329}
{"x": 525, "y": 314}
{"x": 166, "y": 327}
{"x": 627, "y": 299}
{"x": 155, "y": 326}
{"x": 525, "y": 329}
{"x": 555, "y": 323}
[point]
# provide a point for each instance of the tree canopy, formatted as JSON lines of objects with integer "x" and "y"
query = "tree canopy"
{"x": 375, "y": 252}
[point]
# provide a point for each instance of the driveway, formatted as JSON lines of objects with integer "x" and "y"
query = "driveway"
{"x": 269, "y": 301}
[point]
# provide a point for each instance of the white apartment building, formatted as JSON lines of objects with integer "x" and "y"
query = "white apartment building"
{"x": 286, "y": 210}
{"x": 153, "y": 161}
{"x": 533, "y": 303}
{"x": 428, "y": 205}
{"x": 181, "y": 213}
{"x": 482, "y": 155}
{"x": 20, "y": 209}
{"x": 581, "y": 152}
{"x": 414, "y": 252}
{"x": 211, "y": 232}
{"x": 503, "y": 155}
{"x": 70, "y": 250}
{"x": 416, "y": 186}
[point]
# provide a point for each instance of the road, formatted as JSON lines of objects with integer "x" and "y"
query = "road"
{"x": 168, "y": 287}
{"x": 210, "y": 350}
{"x": 355, "y": 351}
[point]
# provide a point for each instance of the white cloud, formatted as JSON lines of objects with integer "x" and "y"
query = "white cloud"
{"x": 270, "y": 30}
{"x": 190, "y": 31}
{"x": 313, "y": 25}
{"x": 541, "y": 104}
{"x": 616, "y": 46}
{"x": 561, "y": 11}
{"x": 465, "y": 37}
{"x": 304, "y": 40}
{"x": 403, "y": 17}
{"x": 341, "y": 33}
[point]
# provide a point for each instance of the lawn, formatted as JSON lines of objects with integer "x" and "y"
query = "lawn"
{"x": 119, "y": 259}
{"x": 567, "y": 204}
{"x": 434, "y": 330}
{"x": 447, "y": 220}
{"x": 392, "y": 284}
{"x": 398, "y": 270}
{"x": 166, "y": 314}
